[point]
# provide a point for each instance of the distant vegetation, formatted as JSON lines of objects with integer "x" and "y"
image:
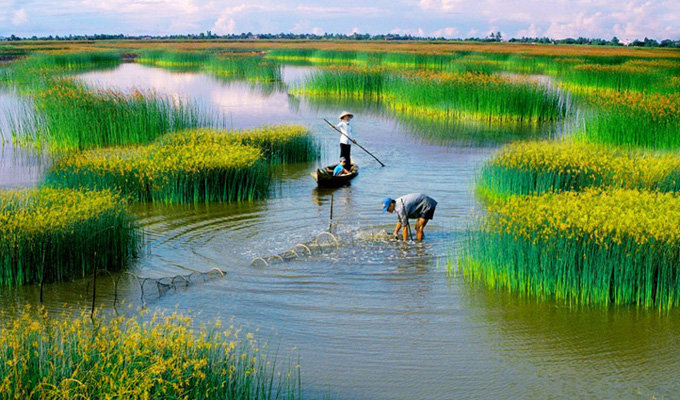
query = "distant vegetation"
{"x": 492, "y": 37}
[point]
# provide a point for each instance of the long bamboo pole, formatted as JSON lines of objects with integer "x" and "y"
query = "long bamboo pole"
{"x": 353, "y": 141}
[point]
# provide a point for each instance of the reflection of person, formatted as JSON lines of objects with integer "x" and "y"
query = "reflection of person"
{"x": 341, "y": 168}
{"x": 345, "y": 141}
{"x": 414, "y": 205}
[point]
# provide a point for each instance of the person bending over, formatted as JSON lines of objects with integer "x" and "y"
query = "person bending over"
{"x": 413, "y": 205}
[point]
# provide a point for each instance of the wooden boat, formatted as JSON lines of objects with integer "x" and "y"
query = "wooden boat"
{"x": 324, "y": 176}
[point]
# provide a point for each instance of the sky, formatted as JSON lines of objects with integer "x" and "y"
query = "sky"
{"x": 557, "y": 19}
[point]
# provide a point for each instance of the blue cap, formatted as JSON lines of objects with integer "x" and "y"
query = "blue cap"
{"x": 386, "y": 203}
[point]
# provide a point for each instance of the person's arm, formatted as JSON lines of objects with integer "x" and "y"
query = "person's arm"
{"x": 350, "y": 133}
{"x": 396, "y": 230}
{"x": 404, "y": 233}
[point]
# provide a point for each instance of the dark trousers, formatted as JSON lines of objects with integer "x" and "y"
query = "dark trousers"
{"x": 344, "y": 152}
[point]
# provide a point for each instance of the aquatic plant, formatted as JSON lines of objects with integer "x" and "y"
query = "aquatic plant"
{"x": 167, "y": 174}
{"x": 135, "y": 357}
{"x": 277, "y": 143}
{"x": 619, "y": 74}
{"x": 592, "y": 247}
{"x": 51, "y": 234}
{"x": 543, "y": 166}
{"x": 191, "y": 166}
{"x": 252, "y": 68}
{"x": 74, "y": 117}
{"x": 635, "y": 119}
{"x": 71, "y": 116}
{"x": 442, "y": 95}
{"x": 36, "y": 70}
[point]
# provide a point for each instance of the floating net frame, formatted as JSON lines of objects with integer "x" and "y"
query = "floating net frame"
{"x": 314, "y": 247}
{"x": 164, "y": 284}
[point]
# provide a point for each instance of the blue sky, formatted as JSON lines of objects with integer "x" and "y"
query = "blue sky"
{"x": 625, "y": 19}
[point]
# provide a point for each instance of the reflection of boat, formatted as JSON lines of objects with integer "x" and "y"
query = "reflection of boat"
{"x": 324, "y": 176}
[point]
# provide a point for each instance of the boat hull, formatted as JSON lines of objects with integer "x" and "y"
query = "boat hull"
{"x": 324, "y": 176}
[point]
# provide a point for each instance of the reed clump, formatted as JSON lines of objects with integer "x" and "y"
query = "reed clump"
{"x": 167, "y": 174}
{"x": 635, "y": 119}
{"x": 200, "y": 165}
{"x": 136, "y": 357}
{"x": 278, "y": 143}
{"x": 443, "y": 95}
{"x": 542, "y": 166}
{"x": 253, "y": 68}
{"x": 49, "y": 234}
{"x": 616, "y": 247}
{"x": 71, "y": 116}
{"x": 74, "y": 117}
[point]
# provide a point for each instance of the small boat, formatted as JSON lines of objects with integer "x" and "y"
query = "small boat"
{"x": 324, "y": 176}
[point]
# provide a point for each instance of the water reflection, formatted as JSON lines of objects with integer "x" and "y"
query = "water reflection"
{"x": 623, "y": 352}
{"x": 232, "y": 103}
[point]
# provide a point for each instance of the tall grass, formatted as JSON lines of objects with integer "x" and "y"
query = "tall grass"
{"x": 55, "y": 234}
{"x": 620, "y": 74}
{"x": 635, "y": 119}
{"x": 542, "y": 166}
{"x": 252, "y": 68}
{"x": 71, "y": 116}
{"x": 190, "y": 166}
{"x": 277, "y": 143}
{"x": 158, "y": 356}
{"x": 595, "y": 247}
{"x": 488, "y": 98}
{"x": 37, "y": 70}
{"x": 167, "y": 174}
{"x": 74, "y": 117}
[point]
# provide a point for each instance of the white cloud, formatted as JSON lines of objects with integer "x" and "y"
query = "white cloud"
{"x": 448, "y": 33}
{"x": 441, "y": 5}
{"x": 318, "y": 31}
{"x": 224, "y": 26}
{"x": 19, "y": 17}
{"x": 472, "y": 33}
{"x": 531, "y": 31}
{"x": 337, "y": 11}
{"x": 582, "y": 24}
{"x": 148, "y": 6}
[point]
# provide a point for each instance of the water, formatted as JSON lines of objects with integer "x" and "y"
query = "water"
{"x": 372, "y": 319}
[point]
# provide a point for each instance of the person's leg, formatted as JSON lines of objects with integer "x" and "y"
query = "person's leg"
{"x": 344, "y": 152}
{"x": 420, "y": 227}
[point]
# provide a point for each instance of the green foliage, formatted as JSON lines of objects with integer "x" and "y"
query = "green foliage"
{"x": 57, "y": 234}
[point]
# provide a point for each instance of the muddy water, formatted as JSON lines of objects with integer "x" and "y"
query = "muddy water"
{"x": 370, "y": 318}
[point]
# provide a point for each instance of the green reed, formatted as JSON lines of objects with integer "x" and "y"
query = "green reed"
{"x": 49, "y": 235}
{"x": 635, "y": 119}
{"x": 243, "y": 67}
{"x": 599, "y": 248}
{"x": 167, "y": 174}
{"x": 134, "y": 357}
{"x": 74, "y": 117}
{"x": 479, "y": 97}
{"x": 542, "y": 166}
{"x": 37, "y": 70}
{"x": 277, "y": 143}
{"x": 621, "y": 74}
{"x": 71, "y": 116}
{"x": 192, "y": 166}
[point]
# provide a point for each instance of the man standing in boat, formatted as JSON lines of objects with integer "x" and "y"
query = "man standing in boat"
{"x": 414, "y": 205}
{"x": 346, "y": 139}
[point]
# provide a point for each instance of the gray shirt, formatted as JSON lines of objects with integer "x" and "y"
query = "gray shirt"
{"x": 413, "y": 205}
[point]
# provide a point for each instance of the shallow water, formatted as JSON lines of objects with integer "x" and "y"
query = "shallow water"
{"x": 370, "y": 318}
